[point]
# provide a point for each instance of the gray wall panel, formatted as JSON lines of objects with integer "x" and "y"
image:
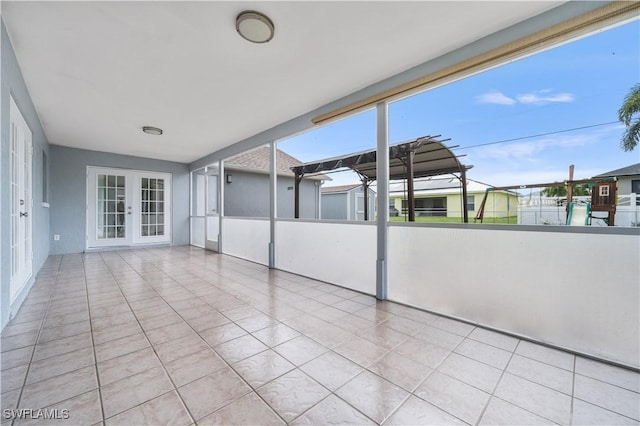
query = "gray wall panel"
{"x": 69, "y": 191}
{"x": 334, "y": 206}
{"x": 343, "y": 205}
{"x": 248, "y": 196}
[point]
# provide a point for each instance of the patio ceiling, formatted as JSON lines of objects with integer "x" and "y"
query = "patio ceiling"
{"x": 98, "y": 71}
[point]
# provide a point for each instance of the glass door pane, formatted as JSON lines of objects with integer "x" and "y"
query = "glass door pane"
{"x": 152, "y": 207}
{"x": 111, "y": 209}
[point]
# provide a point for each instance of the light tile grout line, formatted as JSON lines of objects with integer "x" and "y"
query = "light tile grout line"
{"x": 513, "y": 353}
{"x": 522, "y": 408}
{"x": 35, "y": 343}
{"x": 440, "y": 372}
{"x": 492, "y": 395}
{"x": 573, "y": 390}
{"x": 295, "y": 368}
{"x": 222, "y": 358}
{"x": 93, "y": 343}
{"x": 191, "y": 417}
{"x": 268, "y": 348}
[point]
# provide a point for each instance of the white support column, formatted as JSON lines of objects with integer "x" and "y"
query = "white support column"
{"x": 206, "y": 206}
{"x": 273, "y": 203}
{"x": 382, "y": 171}
{"x": 221, "y": 182}
{"x": 319, "y": 202}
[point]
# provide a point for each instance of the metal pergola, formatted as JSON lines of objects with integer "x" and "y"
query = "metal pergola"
{"x": 422, "y": 157}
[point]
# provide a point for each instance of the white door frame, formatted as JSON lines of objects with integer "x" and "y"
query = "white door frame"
{"x": 133, "y": 207}
{"x": 21, "y": 196}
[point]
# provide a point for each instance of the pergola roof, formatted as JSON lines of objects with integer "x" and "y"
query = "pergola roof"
{"x": 431, "y": 158}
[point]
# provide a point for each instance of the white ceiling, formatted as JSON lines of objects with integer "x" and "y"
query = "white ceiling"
{"x": 98, "y": 71}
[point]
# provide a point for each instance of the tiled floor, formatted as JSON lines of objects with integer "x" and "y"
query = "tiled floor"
{"x": 183, "y": 336}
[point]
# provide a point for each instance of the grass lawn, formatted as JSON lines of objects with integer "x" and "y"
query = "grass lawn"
{"x": 441, "y": 219}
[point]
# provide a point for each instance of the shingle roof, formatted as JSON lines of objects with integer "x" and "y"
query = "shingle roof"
{"x": 633, "y": 169}
{"x": 339, "y": 188}
{"x": 258, "y": 160}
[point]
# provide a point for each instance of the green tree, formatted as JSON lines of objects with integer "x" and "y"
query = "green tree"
{"x": 554, "y": 191}
{"x": 561, "y": 191}
{"x": 629, "y": 108}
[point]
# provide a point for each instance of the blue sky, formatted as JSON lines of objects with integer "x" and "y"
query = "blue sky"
{"x": 582, "y": 83}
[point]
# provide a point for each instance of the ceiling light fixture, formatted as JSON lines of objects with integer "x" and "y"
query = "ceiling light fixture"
{"x": 152, "y": 130}
{"x": 254, "y": 26}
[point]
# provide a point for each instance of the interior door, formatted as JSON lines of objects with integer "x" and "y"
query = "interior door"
{"x": 21, "y": 201}
{"x": 152, "y": 203}
{"x": 110, "y": 208}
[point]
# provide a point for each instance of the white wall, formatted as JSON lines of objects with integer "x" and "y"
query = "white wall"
{"x": 338, "y": 253}
{"x": 246, "y": 238}
{"x": 576, "y": 290}
{"x": 197, "y": 231}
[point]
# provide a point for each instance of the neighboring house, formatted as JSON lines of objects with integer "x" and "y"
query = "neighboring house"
{"x": 246, "y": 189}
{"x": 346, "y": 202}
{"x": 437, "y": 196}
{"x": 628, "y": 179}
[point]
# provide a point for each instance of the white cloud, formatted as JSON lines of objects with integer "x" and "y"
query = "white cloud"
{"x": 495, "y": 97}
{"x": 538, "y": 97}
{"x": 528, "y": 150}
{"x": 542, "y": 97}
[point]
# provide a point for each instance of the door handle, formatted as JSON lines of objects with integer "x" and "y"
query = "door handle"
{"x": 24, "y": 214}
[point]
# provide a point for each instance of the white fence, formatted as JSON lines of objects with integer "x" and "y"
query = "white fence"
{"x": 335, "y": 252}
{"x": 246, "y": 238}
{"x": 552, "y": 211}
{"x": 575, "y": 290}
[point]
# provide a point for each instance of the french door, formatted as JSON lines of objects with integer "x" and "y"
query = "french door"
{"x": 21, "y": 201}
{"x": 127, "y": 207}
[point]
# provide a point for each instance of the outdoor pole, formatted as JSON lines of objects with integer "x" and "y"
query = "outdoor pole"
{"x": 319, "y": 201}
{"x": 365, "y": 188}
{"x": 465, "y": 207}
{"x": 382, "y": 172}
{"x": 273, "y": 203}
{"x": 410, "y": 194}
{"x": 570, "y": 190}
{"x": 296, "y": 191}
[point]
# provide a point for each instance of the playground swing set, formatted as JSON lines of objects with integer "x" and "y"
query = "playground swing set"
{"x": 603, "y": 199}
